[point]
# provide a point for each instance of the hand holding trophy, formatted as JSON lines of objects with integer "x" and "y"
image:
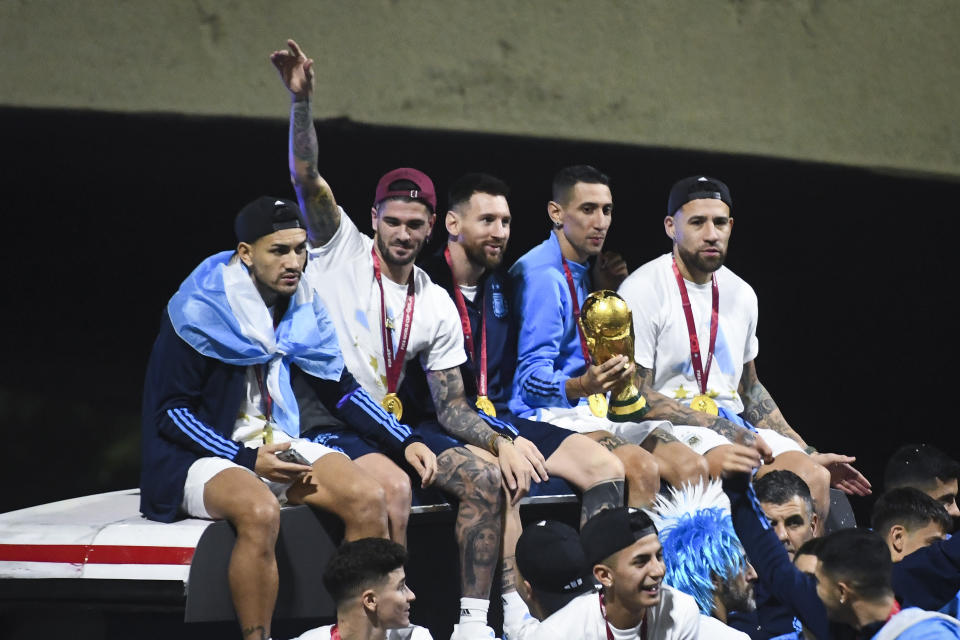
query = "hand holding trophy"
{"x": 607, "y": 325}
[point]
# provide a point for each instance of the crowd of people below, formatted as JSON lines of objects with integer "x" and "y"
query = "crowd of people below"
{"x": 315, "y": 364}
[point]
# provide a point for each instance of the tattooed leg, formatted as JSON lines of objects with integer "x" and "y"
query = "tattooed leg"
{"x": 605, "y": 495}
{"x": 476, "y": 484}
{"x": 679, "y": 464}
{"x": 641, "y": 470}
{"x": 586, "y": 465}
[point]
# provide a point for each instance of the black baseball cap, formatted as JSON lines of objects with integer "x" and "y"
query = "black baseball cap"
{"x": 550, "y": 557}
{"x": 612, "y": 530}
{"x": 696, "y": 188}
{"x": 264, "y": 216}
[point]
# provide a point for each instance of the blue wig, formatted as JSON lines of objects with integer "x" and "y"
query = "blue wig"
{"x": 698, "y": 541}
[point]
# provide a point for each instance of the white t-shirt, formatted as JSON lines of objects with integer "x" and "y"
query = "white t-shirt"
{"x": 662, "y": 342}
{"x": 341, "y": 272}
{"x": 713, "y": 629}
{"x": 412, "y": 632}
{"x": 675, "y": 617}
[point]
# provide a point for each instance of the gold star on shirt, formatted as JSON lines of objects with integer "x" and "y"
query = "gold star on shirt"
{"x": 712, "y": 394}
{"x": 733, "y": 393}
{"x": 681, "y": 393}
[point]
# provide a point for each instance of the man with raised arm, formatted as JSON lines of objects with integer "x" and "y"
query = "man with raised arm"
{"x": 695, "y": 343}
{"x": 219, "y": 413}
{"x": 557, "y": 379}
{"x": 478, "y": 225}
{"x": 387, "y": 311}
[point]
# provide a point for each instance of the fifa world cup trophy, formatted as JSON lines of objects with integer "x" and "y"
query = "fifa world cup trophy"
{"x": 607, "y": 325}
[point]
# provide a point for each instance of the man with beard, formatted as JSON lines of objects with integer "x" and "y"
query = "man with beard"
{"x": 695, "y": 324}
{"x": 703, "y": 556}
{"x": 219, "y": 413}
{"x": 788, "y": 505}
{"x": 387, "y": 312}
{"x": 468, "y": 267}
{"x": 557, "y": 380}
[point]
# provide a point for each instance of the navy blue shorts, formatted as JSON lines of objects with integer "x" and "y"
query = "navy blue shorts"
{"x": 350, "y": 442}
{"x": 546, "y": 436}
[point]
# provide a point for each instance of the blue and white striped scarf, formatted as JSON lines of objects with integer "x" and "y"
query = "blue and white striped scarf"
{"x": 219, "y": 312}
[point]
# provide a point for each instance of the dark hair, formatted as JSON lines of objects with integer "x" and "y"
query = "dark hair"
{"x": 809, "y": 548}
{"x": 467, "y": 185}
{"x": 918, "y": 466}
{"x": 567, "y": 177}
{"x": 910, "y": 508}
{"x": 779, "y": 487}
{"x": 860, "y": 558}
{"x": 359, "y": 564}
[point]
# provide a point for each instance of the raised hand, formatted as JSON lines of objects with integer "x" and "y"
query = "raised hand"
{"x": 295, "y": 68}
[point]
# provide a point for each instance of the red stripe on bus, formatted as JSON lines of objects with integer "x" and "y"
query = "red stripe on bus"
{"x": 95, "y": 554}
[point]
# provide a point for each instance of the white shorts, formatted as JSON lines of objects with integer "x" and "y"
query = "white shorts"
{"x": 580, "y": 419}
{"x": 203, "y": 470}
{"x": 703, "y": 439}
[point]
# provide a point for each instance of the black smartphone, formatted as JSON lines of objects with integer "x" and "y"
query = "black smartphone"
{"x": 292, "y": 455}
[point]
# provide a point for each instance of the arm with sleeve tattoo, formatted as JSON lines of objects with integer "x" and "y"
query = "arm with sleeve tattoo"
{"x": 313, "y": 192}
{"x": 454, "y": 412}
{"x": 759, "y": 409}
{"x": 664, "y": 408}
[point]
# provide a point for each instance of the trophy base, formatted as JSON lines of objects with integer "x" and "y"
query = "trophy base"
{"x": 629, "y": 409}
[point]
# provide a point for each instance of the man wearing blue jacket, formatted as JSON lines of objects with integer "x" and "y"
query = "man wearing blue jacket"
{"x": 220, "y": 415}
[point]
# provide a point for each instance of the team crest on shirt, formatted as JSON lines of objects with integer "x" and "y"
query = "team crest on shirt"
{"x": 498, "y": 301}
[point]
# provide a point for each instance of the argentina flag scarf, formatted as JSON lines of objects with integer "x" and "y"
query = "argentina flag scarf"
{"x": 219, "y": 312}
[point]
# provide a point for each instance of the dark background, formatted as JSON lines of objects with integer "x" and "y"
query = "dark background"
{"x": 105, "y": 214}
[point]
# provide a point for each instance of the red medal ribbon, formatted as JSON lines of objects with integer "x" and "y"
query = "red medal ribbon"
{"x": 576, "y": 311}
{"x": 603, "y": 612}
{"x": 334, "y": 633}
{"x": 394, "y": 365}
{"x": 698, "y": 371}
{"x": 468, "y": 331}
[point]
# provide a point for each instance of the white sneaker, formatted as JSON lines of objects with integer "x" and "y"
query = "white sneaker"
{"x": 473, "y": 632}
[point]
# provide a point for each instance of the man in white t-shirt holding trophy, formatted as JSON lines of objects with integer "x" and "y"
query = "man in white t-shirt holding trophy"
{"x": 695, "y": 341}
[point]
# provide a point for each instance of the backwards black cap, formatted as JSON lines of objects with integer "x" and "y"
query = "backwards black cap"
{"x": 550, "y": 556}
{"x": 612, "y": 530}
{"x": 696, "y": 188}
{"x": 264, "y": 216}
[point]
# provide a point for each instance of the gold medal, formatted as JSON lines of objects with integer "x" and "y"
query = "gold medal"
{"x": 705, "y": 404}
{"x": 268, "y": 433}
{"x": 484, "y": 404}
{"x": 392, "y": 404}
{"x": 598, "y": 405}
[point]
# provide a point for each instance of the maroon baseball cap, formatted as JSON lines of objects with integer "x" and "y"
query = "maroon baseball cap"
{"x": 409, "y": 183}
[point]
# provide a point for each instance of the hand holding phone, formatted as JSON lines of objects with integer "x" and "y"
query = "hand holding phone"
{"x": 292, "y": 455}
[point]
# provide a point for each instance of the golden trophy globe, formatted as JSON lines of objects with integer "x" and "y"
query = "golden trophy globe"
{"x": 607, "y": 325}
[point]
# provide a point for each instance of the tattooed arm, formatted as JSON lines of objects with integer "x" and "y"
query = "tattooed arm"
{"x": 457, "y": 416}
{"x": 313, "y": 192}
{"x": 759, "y": 409}
{"x": 664, "y": 408}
